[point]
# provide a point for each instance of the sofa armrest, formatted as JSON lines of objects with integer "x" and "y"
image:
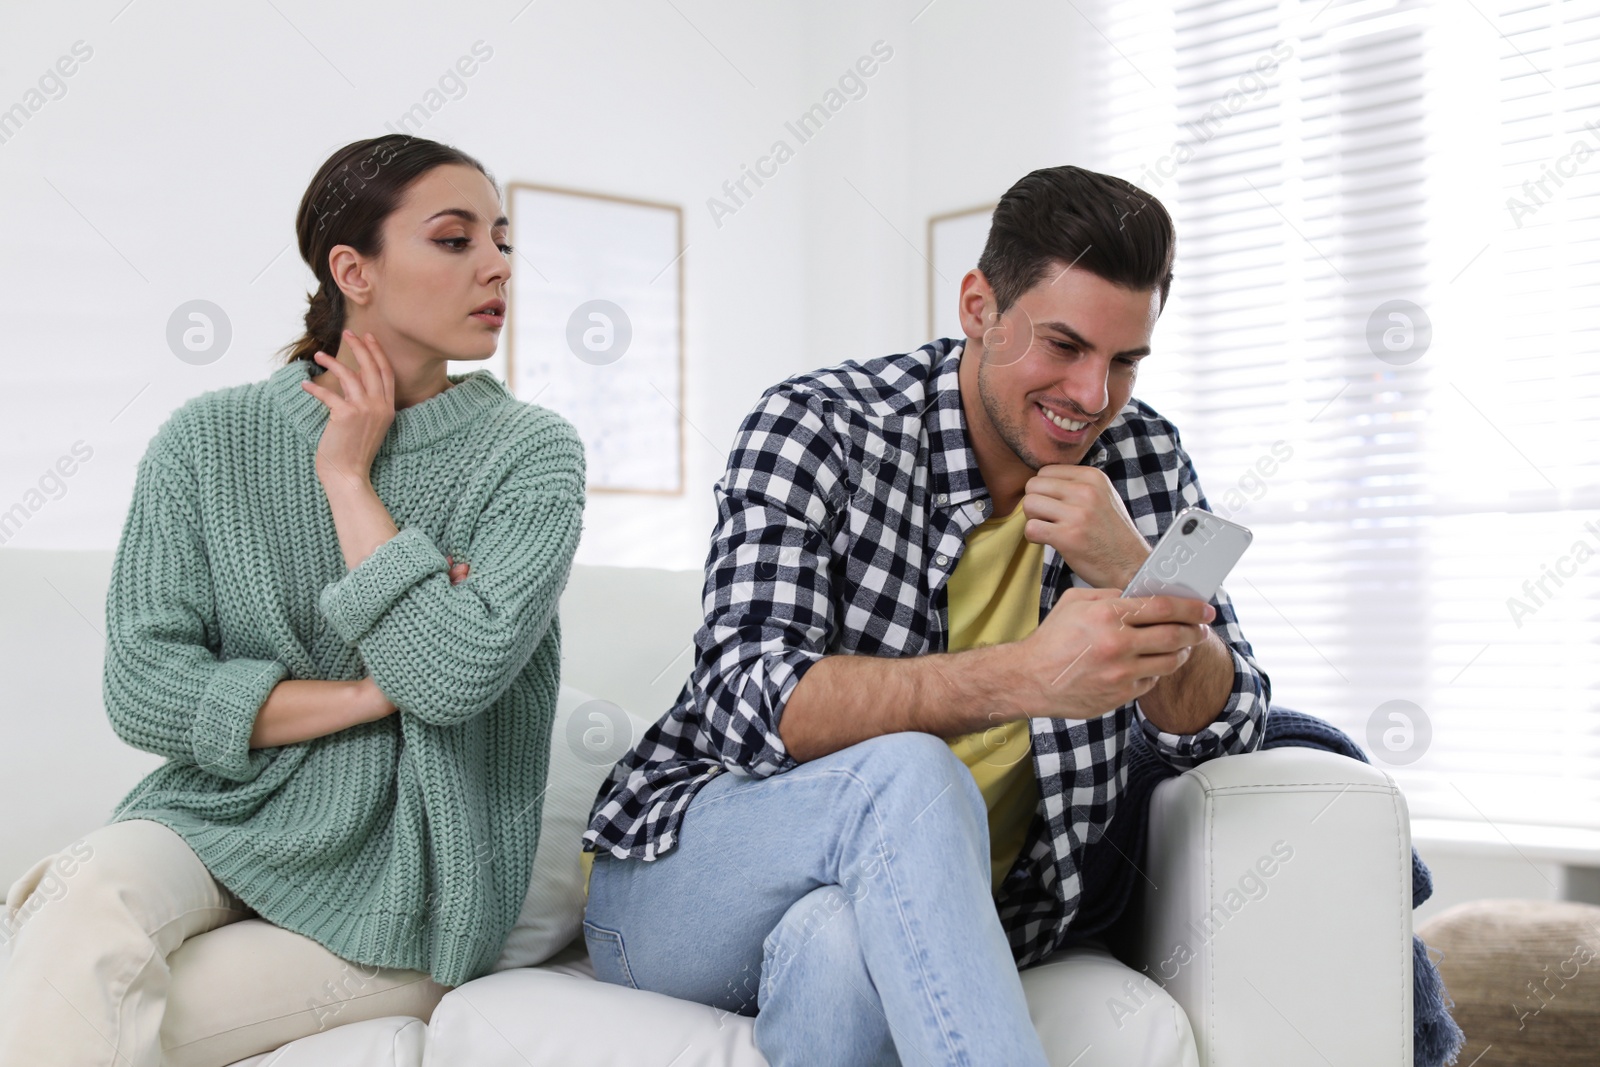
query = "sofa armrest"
{"x": 1278, "y": 909}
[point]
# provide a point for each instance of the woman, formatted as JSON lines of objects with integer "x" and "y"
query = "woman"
{"x": 333, "y": 611}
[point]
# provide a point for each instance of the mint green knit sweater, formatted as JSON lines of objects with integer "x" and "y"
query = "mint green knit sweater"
{"x": 406, "y": 842}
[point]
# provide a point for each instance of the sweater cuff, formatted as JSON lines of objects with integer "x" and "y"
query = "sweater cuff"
{"x": 220, "y": 736}
{"x": 355, "y": 603}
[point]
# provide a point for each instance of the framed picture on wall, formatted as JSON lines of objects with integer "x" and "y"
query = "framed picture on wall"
{"x": 596, "y": 328}
{"x": 955, "y": 240}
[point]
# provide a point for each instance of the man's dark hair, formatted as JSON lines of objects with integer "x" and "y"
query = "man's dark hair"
{"x": 1090, "y": 221}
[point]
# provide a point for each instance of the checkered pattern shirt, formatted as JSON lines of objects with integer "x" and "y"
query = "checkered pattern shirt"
{"x": 844, "y": 510}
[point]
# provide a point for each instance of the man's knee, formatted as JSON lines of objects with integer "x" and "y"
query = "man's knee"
{"x": 919, "y": 769}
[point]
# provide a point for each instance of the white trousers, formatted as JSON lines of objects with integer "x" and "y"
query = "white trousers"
{"x": 108, "y": 966}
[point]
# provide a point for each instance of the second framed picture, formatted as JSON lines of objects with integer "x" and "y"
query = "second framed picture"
{"x": 955, "y": 241}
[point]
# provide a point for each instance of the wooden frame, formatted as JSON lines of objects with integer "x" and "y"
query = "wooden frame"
{"x": 512, "y": 188}
{"x": 933, "y": 257}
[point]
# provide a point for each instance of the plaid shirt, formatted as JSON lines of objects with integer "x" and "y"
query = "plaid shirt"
{"x": 843, "y": 512}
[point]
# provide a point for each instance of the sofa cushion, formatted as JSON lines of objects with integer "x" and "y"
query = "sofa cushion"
{"x": 1090, "y": 1011}
{"x": 393, "y": 1042}
{"x": 587, "y": 737}
{"x": 539, "y": 1016}
{"x": 1525, "y": 978}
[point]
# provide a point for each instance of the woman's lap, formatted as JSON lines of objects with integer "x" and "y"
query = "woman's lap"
{"x": 124, "y": 945}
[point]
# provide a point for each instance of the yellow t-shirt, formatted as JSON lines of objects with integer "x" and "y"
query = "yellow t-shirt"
{"x": 993, "y": 599}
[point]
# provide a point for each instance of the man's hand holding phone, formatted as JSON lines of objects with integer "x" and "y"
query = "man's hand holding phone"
{"x": 1097, "y": 650}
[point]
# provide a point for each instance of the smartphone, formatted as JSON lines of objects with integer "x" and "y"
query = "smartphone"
{"x": 1192, "y": 557}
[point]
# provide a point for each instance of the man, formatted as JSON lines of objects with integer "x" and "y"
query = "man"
{"x": 917, "y": 665}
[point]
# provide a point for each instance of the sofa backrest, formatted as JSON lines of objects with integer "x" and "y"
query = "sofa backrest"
{"x": 627, "y": 634}
{"x": 626, "y": 637}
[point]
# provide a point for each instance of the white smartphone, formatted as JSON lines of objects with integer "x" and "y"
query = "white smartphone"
{"x": 1192, "y": 558}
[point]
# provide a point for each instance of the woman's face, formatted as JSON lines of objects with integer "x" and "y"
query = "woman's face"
{"x": 444, "y": 258}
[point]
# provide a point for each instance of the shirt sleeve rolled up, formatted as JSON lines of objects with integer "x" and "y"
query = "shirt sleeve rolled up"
{"x": 768, "y": 599}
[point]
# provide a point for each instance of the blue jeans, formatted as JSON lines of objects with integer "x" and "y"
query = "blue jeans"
{"x": 845, "y": 904}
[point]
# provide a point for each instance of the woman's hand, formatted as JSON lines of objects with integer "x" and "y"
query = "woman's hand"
{"x": 370, "y": 703}
{"x": 359, "y": 414}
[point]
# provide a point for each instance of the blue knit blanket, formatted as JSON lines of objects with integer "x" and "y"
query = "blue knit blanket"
{"x": 1111, "y": 881}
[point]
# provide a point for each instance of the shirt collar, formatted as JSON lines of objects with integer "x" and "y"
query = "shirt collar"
{"x": 956, "y": 478}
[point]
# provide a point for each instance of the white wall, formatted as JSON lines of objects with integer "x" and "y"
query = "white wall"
{"x": 976, "y": 96}
{"x": 170, "y": 167}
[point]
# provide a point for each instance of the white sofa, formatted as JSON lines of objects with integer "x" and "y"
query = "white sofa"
{"x": 1309, "y": 963}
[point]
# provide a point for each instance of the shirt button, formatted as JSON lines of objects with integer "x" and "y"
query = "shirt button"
{"x": 944, "y": 498}
{"x": 941, "y": 559}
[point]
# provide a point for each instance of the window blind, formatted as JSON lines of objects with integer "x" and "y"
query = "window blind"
{"x": 1380, "y": 350}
